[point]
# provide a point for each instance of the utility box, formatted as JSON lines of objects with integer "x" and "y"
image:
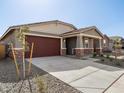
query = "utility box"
{"x": 2, "y": 51}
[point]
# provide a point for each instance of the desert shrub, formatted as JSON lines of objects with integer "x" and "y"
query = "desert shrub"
{"x": 111, "y": 59}
{"x": 101, "y": 55}
{"x": 107, "y": 56}
{"x": 118, "y": 63}
{"x": 40, "y": 84}
{"x": 102, "y": 60}
{"x": 94, "y": 54}
{"x": 122, "y": 60}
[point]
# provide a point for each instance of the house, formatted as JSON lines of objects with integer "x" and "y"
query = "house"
{"x": 107, "y": 44}
{"x": 111, "y": 44}
{"x": 54, "y": 38}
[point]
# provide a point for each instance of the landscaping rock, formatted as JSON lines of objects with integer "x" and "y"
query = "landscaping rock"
{"x": 9, "y": 82}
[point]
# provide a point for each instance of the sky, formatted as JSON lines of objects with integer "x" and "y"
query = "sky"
{"x": 106, "y": 15}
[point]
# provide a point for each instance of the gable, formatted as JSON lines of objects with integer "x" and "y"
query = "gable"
{"x": 92, "y": 32}
{"x": 53, "y": 28}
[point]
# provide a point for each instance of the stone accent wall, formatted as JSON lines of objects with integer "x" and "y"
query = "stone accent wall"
{"x": 63, "y": 52}
{"x": 88, "y": 51}
{"x": 79, "y": 52}
{"x": 98, "y": 51}
{"x": 85, "y": 52}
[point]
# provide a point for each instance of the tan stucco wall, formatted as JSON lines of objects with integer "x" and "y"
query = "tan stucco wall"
{"x": 90, "y": 43}
{"x": 17, "y": 42}
{"x": 52, "y": 28}
{"x": 10, "y": 38}
{"x": 46, "y": 28}
{"x": 106, "y": 44}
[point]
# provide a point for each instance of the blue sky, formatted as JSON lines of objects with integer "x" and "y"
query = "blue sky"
{"x": 107, "y": 15}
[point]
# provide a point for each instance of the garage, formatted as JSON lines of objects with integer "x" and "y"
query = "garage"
{"x": 44, "y": 46}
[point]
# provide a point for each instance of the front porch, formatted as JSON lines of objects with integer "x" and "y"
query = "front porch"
{"x": 81, "y": 45}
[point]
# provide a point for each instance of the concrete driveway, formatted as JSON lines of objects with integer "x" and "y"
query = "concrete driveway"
{"x": 85, "y": 75}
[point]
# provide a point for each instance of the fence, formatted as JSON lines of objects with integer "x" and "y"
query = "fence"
{"x": 2, "y": 51}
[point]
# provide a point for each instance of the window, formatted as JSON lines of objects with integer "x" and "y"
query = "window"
{"x": 86, "y": 43}
{"x": 104, "y": 42}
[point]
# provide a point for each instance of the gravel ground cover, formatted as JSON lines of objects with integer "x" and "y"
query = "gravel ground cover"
{"x": 111, "y": 61}
{"x": 10, "y": 84}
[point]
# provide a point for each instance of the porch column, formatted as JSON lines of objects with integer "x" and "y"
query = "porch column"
{"x": 63, "y": 46}
{"x": 100, "y": 45}
{"x": 79, "y": 42}
{"x": 92, "y": 45}
{"x": 79, "y": 46}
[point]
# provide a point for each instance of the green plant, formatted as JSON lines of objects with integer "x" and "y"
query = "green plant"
{"x": 118, "y": 63}
{"x": 111, "y": 59}
{"x": 108, "y": 56}
{"x": 102, "y": 60}
{"x": 101, "y": 55}
{"x": 41, "y": 84}
{"x": 94, "y": 54}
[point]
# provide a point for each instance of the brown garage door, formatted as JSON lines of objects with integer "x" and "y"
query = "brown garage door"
{"x": 44, "y": 46}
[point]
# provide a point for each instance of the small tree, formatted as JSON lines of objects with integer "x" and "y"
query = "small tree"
{"x": 15, "y": 60}
{"x": 21, "y": 39}
{"x": 117, "y": 46}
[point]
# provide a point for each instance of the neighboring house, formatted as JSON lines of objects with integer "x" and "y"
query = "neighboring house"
{"x": 107, "y": 44}
{"x": 111, "y": 44}
{"x": 53, "y": 38}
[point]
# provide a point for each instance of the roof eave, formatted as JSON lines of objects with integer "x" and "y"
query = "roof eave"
{"x": 17, "y": 26}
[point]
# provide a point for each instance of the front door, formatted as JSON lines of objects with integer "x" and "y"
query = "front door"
{"x": 95, "y": 44}
{"x": 71, "y": 45}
